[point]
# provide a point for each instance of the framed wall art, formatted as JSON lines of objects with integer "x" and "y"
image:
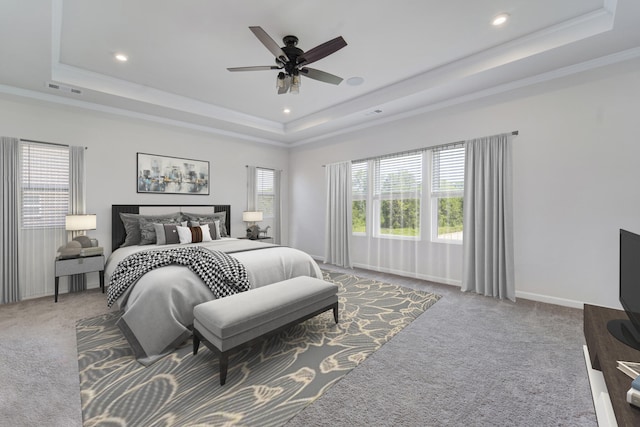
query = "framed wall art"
{"x": 172, "y": 175}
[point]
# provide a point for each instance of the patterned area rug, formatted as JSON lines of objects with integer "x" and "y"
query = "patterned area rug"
{"x": 266, "y": 385}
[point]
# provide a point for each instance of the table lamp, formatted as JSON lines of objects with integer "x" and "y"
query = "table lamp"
{"x": 251, "y": 217}
{"x": 80, "y": 245}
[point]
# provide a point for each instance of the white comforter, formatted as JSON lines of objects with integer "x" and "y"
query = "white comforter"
{"x": 158, "y": 310}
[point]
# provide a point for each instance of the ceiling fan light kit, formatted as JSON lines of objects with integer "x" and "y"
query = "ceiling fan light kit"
{"x": 292, "y": 61}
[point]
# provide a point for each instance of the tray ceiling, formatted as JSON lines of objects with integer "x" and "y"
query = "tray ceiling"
{"x": 411, "y": 56}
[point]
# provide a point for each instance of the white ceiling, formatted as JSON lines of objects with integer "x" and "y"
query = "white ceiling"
{"x": 414, "y": 55}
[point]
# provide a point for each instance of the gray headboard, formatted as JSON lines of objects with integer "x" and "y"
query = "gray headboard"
{"x": 117, "y": 227}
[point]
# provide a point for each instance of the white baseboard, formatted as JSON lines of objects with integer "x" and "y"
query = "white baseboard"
{"x": 64, "y": 289}
{"x": 443, "y": 280}
{"x": 550, "y": 300}
{"x": 430, "y": 278}
{"x": 446, "y": 281}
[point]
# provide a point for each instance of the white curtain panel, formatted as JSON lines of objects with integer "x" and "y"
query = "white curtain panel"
{"x": 9, "y": 219}
{"x": 77, "y": 203}
{"x": 252, "y": 197}
{"x": 488, "y": 218}
{"x": 277, "y": 208}
{"x": 44, "y": 233}
{"x": 337, "y": 245}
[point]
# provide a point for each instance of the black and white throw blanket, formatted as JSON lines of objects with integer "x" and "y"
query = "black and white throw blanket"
{"x": 223, "y": 274}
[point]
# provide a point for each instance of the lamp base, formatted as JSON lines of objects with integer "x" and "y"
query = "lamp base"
{"x": 253, "y": 232}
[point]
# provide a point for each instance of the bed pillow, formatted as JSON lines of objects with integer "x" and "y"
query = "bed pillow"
{"x": 208, "y": 218}
{"x": 166, "y": 234}
{"x": 131, "y": 228}
{"x": 193, "y": 234}
{"x": 147, "y": 229}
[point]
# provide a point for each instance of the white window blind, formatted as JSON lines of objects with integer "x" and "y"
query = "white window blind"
{"x": 45, "y": 185}
{"x": 265, "y": 192}
{"x": 448, "y": 172}
{"x": 359, "y": 180}
{"x": 398, "y": 174}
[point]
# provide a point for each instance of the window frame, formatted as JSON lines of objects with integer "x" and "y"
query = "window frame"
{"x": 437, "y": 194}
{"x": 375, "y": 196}
{"x": 365, "y": 197}
{"x": 260, "y": 175}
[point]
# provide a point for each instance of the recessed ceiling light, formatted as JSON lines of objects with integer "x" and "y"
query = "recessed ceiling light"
{"x": 500, "y": 19}
{"x": 286, "y": 111}
{"x": 121, "y": 57}
{"x": 355, "y": 81}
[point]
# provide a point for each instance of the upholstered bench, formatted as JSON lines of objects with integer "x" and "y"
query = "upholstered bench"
{"x": 227, "y": 324}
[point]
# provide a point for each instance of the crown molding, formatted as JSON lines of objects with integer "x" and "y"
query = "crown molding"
{"x": 45, "y": 97}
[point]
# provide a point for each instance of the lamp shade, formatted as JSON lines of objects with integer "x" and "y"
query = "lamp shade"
{"x": 80, "y": 222}
{"x": 250, "y": 216}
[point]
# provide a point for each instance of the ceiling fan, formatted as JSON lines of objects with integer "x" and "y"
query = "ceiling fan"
{"x": 293, "y": 61}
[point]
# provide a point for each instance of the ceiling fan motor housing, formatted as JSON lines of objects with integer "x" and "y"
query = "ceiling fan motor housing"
{"x": 293, "y": 53}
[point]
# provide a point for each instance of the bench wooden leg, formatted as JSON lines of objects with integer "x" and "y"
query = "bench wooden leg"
{"x": 224, "y": 364}
{"x": 335, "y": 312}
{"x": 196, "y": 341}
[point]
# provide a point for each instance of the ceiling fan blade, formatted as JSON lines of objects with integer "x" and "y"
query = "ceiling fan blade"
{"x": 320, "y": 51}
{"x": 256, "y": 68}
{"x": 269, "y": 43}
{"x": 322, "y": 76}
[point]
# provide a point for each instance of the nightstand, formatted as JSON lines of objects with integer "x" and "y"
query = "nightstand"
{"x": 261, "y": 239}
{"x": 79, "y": 265}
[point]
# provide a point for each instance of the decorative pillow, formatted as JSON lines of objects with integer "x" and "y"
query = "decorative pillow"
{"x": 214, "y": 228}
{"x": 133, "y": 230}
{"x": 166, "y": 234}
{"x": 148, "y": 231}
{"x": 161, "y": 238}
{"x": 171, "y": 233}
{"x": 193, "y": 234}
{"x": 208, "y": 218}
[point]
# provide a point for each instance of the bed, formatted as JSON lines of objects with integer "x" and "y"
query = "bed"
{"x": 157, "y": 311}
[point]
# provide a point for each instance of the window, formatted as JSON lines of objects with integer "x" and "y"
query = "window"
{"x": 447, "y": 191}
{"x": 386, "y": 194}
{"x": 397, "y": 195}
{"x": 44, "y": 185}
{"x": 265, "y": 191}
{"x": 359, "y": 194}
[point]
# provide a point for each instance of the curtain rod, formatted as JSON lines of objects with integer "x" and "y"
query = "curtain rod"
{"x": 415, "y": 150}
{"x": 46, "y": 142}
{"x": 260, "y": 167}
{"x": 515, "y": 132}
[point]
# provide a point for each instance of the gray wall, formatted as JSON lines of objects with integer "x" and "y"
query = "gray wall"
{"x": 576, "y": 176}
{"x": 112, "y": 143}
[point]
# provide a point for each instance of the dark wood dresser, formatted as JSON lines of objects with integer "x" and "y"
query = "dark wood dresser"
{"x": 605, "y": 351}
